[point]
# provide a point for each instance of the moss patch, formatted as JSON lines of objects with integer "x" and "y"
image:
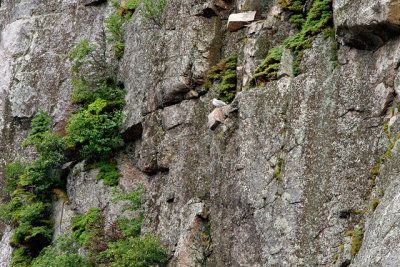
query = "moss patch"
{"x": 278, "y": 170}
{"x": 268, "y": 69}
{"x": 356, "y": 239}
{"x": 224, "y": 73}
{"x": 374, "y": 204}
{"x": 296, "y": 7}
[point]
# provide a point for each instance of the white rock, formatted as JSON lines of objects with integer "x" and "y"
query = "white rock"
{"x": 239, "y": 20}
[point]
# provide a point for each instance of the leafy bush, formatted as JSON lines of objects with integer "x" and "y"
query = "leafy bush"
{"x": 32, "y": 183}
{"x": 63, "y": 252}
{"x": 13, "y": 171}
{"x": 122, "y": 244}
{"x": 153, "y": 10}
{"x": 108, "y": 172}
{"x": 97, "y": 134}
{"x": 140, "y": 251}
{"x": 115, "y": 24}
{"x": 85, "y": 226}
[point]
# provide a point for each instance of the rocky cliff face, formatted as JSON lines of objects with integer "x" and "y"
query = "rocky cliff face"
{"x": 294, "y": 165}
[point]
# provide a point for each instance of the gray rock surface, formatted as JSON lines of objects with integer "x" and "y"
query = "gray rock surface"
{"x": 285, "y": 176}
{"x": 367, "y": 24}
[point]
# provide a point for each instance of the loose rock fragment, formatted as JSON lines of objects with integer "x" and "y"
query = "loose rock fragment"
{"x": 239, "y": 20}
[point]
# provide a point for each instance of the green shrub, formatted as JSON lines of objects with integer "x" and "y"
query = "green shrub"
{"x": 153, "y": 10}
{"x": 130, "y": 227}
{"x": 13, "y": 172}
{"x": 63, "y": 252}
{"x": 225, "y": 73}
{"x": 94, "y": 128}
{"x": 85, "y": 226}
{"x": 296, "y": 7}
{"x": 140, "y": 251}
{"x": 108, "y": 172}
{"x": 33, "y": 183}
{"x": 115, "y": 25}
{"x": 40, "y": 125}
{"x": 97, "y": 134}
{"x": 318, "y": 20}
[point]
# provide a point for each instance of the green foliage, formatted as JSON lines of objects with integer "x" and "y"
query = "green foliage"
{"x": 108, "y": 172}
{"x": 133, "y": 202}
{"x": 79, "y": 54}
{"x": 122, "y": 245}
{"x": 356, "y": 239}
{"x": 319, "y": 18}
{"x": 40, "y": 126}
{"x": 32, "y": 183}
{"x": 268, "y": 69}
{"x": 13, "y": 171}
{"x": 224, "y": 73}
{"x": 115, "y": 24}
{"x": 296, "y": 7}
{"x": 140, "y": 251}
{"x": 97, "y": 134}
{"x": 83, "y": 226}
{"x": 94, "y": 128}
{"x": 153, "y": 10}
{"x": 63, "y": 252}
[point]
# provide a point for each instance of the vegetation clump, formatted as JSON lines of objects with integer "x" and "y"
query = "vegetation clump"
{"x": 297, "y": 8}
{"x": 356, "y": 239}
{"x": 94, "y": 127}
{"x": 63, "y": 252}
{"x": 123, "y": 244}
{"x": 31, "y": 186}
{"x": 224, "y": 73}
{"x": 318, "y": 21}
{"x": 151, "y": 10}
{"x": 374, "y": 204}
{"x": 268, "y": 69}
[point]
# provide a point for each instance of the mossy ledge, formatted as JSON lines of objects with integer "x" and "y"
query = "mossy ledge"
{"x": 319, "y": 20}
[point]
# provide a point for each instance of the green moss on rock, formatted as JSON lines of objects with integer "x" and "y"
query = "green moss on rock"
{"x": 224, "y": 73}
{"x": 356, "y": 239}
{"x": 268, "y": 69}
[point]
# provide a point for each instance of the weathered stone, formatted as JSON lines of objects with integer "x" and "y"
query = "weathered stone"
{"x": 286, "y": 66}
{"x": 239, "y": 20}
{"x": 278, "y": 182}
{"x": 191, "y": 95}
{"x": 215, "y": 118}
{"x": 367, "y": 24}
{"x": 5, "y": 248}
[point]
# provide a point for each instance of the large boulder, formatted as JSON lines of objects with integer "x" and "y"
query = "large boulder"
{"x": 367, "y": 24}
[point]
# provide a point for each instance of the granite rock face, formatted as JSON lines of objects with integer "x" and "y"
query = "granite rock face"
{"x": 367, "y": 24}
{"x": 289, "y": 169}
